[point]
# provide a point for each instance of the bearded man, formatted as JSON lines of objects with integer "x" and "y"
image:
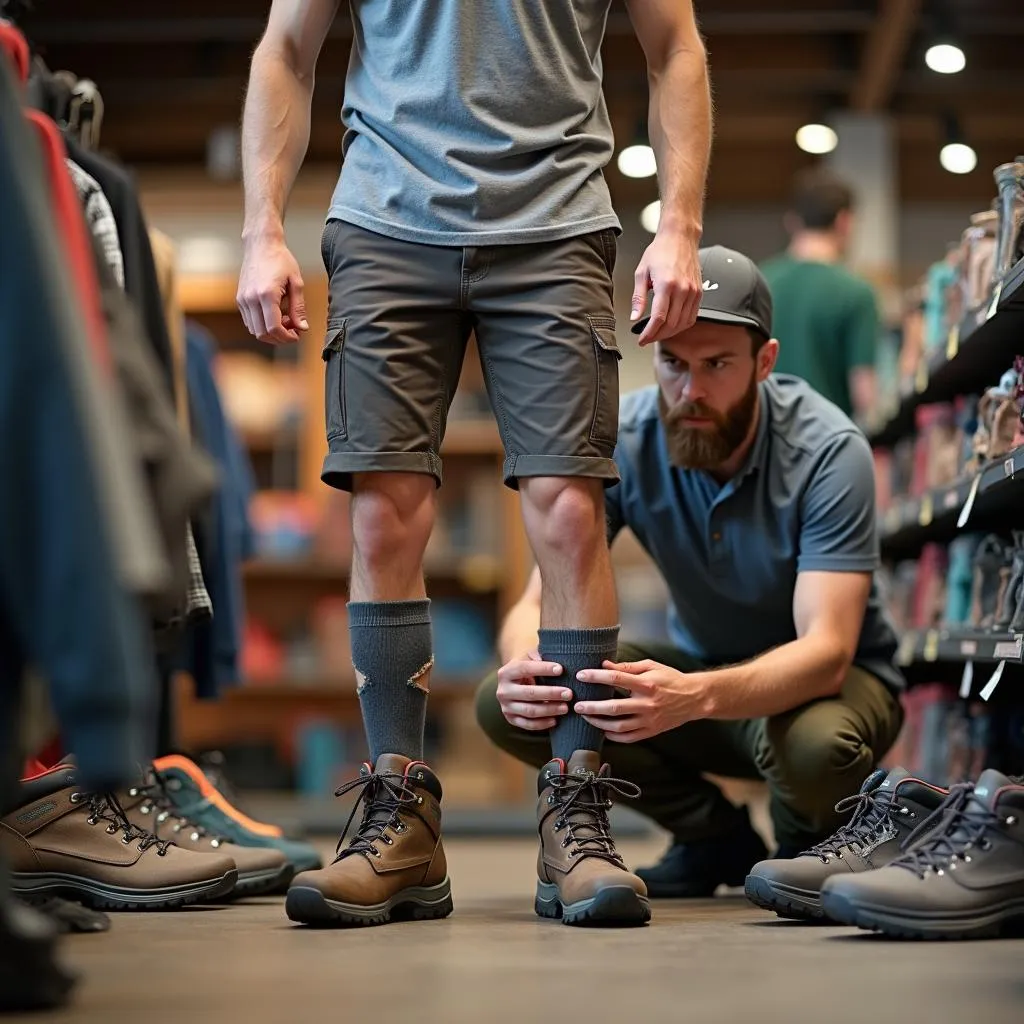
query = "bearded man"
{"x": 754, "y": 496}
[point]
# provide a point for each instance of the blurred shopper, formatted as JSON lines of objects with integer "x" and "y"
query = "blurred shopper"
{"x": 755, "y": 498}
{"x": 471, "y": 200}
{"x": 826, "y": 317}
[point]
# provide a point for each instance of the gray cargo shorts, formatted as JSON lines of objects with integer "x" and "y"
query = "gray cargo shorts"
{"x": 400, "y": 316}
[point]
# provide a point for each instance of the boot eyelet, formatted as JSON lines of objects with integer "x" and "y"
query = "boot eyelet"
{"x": 419, "y": 799}
{"x": 194, "y": 837}
{"x": 161, "y": 853}
{"x": 133, "y": 791}
{"x": 572, "y": 853}
{"x": 388, "y": 840}
{"x": 420, "y": 776}
{"x": 111, "y": 829}
{"x": 75, "y": 797}
{"x": 565, "y": 842}
{"x": 127, "y": 840}
{"x": 551, "y": 798}
{"x": 376, "y": 853}
{"x": 966, "y": 858}
{"x": 985, "y": 845}
{"x": 1010, "y": 821}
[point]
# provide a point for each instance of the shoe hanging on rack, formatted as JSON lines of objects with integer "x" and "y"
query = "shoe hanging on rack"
{"x": 992, "y": 556}
{"x": 1009, "y": 179}
{"x": 1013, "y": 593}
{"x": 979, "y": 257}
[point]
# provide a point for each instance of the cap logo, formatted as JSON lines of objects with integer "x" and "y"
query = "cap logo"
{"x": 884, "y": 785}
{"x": 980, "y": 791}
{"x": 709, "y": 286}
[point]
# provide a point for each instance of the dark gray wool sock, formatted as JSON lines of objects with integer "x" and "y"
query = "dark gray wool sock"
{"x": 575, "y": 650}
{"x": 392, "y": 651}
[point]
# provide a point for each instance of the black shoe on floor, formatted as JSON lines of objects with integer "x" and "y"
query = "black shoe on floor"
{"x": 695, "y": 870}
{"x": 31, "y": 978}
{"x": 964, "y": 879}
{"x": 886, "y": 811}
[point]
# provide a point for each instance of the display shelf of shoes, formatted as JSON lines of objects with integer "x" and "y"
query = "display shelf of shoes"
{"x": 977, "y": 350}
{"x": 992, "y": 498}
{"x": 288, "y": 591}
{"x": 959, "y": 645}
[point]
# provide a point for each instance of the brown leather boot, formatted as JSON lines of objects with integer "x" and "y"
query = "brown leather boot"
{"x": 581, "y": 877}
{"x": 63, "y": 841}
{"x": 394, "y": 866}
{"x": 149, "y": 807}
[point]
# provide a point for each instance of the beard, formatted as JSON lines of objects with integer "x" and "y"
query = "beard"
{"x": 706, "y": 447}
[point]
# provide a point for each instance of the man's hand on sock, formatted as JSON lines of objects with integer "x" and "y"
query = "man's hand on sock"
{"x": 524, "y": 702}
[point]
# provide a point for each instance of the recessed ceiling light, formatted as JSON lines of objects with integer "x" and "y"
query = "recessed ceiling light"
{"x": 638, "y": 162}
{"x": 945, "y": 59}
{"x": 650, "y": 216}
{"x": 816, "y": 138}
{"x": 958, "y": 158}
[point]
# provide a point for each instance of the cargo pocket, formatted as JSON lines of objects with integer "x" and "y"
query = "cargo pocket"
{"x": 334, "y": 381}
{"x": 605, "y": 426}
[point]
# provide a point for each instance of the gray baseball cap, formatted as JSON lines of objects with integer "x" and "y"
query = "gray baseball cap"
{"x": 735, "y": 291}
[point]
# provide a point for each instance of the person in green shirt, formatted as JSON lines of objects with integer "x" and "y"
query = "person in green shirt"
{"x": 826, "y": 318}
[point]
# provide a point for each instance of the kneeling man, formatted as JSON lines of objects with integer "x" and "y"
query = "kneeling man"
{"x": 755, "y": 498}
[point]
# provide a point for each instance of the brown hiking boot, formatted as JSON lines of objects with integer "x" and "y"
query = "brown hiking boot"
{"x": 394, "y": 866}
{"x": 62, "y": 841}
{"x": 149, "y": 807}
{"x": 582, "y": 879}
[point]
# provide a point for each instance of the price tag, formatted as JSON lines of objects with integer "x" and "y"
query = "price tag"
{"x": 965, "y": 512}
{"x": 931, "y": 645}
{"x": 967, "y": 679}
{"x": 906, "y": 651}
{"x": 924, "y": 516}
{"x": 921, "y": 380}
{"x": 953, "y": 342}
{"x": 995, "y": 301}
{"x": 990, "y": 686}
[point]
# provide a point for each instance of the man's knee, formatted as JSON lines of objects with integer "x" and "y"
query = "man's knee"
{"x": 533, "y": 748}
{"x": 392, "y": 516}
{"x": 812, "y": 761}
{"x": 564, "y": 515}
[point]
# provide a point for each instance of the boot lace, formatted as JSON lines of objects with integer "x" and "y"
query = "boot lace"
{"x": 966, "y": 826}
{"x": 106, "y": 807}
{"x": 583, "y": 803}
{"x": 872, "y": 812}
{"x": 159, "y": 800}
{"x": 383, "y": 797}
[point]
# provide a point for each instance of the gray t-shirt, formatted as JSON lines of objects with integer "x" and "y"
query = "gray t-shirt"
{"x": 473, "y": 122}
{"x": 730, "y": 554}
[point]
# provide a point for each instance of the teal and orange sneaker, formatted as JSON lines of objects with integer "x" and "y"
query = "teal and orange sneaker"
{"x": 198, "y": 799}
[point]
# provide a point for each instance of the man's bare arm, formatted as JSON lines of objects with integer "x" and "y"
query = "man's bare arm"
{"x": 828, "y": 611}
{"x": 275, "y": 124}
{"x": 519, "y": 630}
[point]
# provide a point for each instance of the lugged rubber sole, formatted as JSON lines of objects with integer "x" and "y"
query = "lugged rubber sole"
{"x": 989, "y": 924}
{"x": 615, "y": 905}
{"x": 785, "y": 900}
{"x": 306, "y": 905}
{"x": 103, "y": 896}
{"x": 260, "y": 883}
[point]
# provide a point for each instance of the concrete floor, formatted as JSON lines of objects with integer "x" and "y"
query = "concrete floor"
{"x": 493, "y": 960}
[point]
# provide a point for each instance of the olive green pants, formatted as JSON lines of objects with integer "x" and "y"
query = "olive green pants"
{"x": 810, "y": 757}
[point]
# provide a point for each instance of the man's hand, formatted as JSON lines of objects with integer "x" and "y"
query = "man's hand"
{"x": 270, "y": 296}
{"x": 670, "y": 265}
{"x": 524, "y": 703}
{"x": 660, "y": 698}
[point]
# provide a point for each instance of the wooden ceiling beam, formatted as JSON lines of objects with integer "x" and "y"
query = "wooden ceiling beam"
{"x": 884, "y": 52}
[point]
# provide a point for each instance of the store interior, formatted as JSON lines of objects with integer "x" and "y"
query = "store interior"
{"x": 263, "y": 694}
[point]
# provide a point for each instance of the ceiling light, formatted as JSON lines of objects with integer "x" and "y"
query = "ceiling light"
{"x": 945, "y": 59}
{"x": 650, "y": 215}
{"x": 958, "y": 158}
{"x": 816, "y": 138}
{"x": 638, "y": 162}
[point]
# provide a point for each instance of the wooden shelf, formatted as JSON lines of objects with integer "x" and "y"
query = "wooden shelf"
{"x": 207, "y": 293}
{"x": 334, "y": 690}
{"x": 472, "y": 437}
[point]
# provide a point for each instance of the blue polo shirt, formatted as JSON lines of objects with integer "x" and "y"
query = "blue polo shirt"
{"x": 730, "y": 553}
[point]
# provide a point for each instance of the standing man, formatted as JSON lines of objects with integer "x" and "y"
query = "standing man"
{"x": 826, "y": 317}
{"x": 471, "y": 200}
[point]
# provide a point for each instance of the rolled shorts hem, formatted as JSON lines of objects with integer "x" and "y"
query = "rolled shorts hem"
{"x": 518, "y": 466}
{"x": 339, "y": 466}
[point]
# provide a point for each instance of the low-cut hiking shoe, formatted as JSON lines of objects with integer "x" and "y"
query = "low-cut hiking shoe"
{"x": 886, "y": 811}
{"x": 200, "y": 801}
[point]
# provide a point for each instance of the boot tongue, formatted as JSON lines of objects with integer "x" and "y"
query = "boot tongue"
{"x": 988, "y": 786}
{"x": 879, "y": 780}
{"x": 392, "y": 764}
{"x": 584, "y": 762}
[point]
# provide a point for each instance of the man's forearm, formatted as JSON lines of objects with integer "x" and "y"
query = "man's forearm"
{"x": 778, "y": 681}
{"x": 519, "y": 631}
{"x": 275, "y": 135}
{"x": 679, "y": 122}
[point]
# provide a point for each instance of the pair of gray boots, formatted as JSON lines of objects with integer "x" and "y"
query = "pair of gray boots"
{"x": 913, "y": 861}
